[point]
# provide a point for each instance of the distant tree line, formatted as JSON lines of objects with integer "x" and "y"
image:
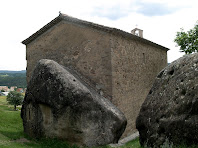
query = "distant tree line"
{"x": 13, "y": 79}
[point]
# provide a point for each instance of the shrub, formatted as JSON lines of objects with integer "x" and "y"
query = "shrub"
{"x": 15, "y": 98}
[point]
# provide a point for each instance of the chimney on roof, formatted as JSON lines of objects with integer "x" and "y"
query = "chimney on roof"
{"x": 137, "y": 32}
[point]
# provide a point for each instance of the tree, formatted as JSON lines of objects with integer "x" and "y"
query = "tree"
{"x": 15, "y": 98}
{"x": 188, "y": 41}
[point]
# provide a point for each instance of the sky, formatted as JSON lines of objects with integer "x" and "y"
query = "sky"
{"x": 159, "y": 20}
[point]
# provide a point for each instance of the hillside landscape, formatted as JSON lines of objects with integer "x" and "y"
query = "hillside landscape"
{"x": 13, "y": 78}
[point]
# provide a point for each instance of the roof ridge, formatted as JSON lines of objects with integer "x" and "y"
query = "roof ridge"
{"x": 66, "y": 17}
{"x": 74, "y": 19}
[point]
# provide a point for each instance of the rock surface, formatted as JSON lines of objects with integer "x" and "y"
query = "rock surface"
{"x": 58, "y": 104}
{"x": 170, "y": 111}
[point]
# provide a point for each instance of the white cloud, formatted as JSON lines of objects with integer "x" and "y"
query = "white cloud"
{"x": 22, "y": 18}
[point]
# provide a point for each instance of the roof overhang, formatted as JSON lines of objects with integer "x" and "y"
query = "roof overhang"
{"x": 91, "y": 25}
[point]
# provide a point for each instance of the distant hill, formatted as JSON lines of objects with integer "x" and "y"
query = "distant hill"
{"x": 9, "y": 71}
{"x": 13, "y": 78}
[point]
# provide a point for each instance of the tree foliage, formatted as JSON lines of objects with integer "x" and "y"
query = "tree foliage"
{"x": 13, "y": 79}
{"x": 188, "y": 41}
{"x": 15, "y": 98}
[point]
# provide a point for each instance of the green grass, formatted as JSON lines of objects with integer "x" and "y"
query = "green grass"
{"x": 10, "y": 125}
{"x": 3, "y": 100}
{"x": 132, "y": 144}
{"x": 11, "y": 131}
{"x": 12, "y": 135}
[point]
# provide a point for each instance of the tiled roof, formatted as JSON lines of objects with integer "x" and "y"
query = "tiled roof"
{"x": 70, "y": 19}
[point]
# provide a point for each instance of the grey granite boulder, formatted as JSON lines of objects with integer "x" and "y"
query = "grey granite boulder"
{"x": 58, "y": 104}
{"x": 170, "y": 111}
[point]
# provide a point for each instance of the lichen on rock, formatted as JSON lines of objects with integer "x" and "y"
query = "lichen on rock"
{"x": 59, "y": 104}
{"x": 170, "y": 110}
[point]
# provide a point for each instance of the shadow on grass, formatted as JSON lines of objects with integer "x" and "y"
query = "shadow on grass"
{"x": 36, "y": 143}
{"x": 6, "y": 108}
{"x": 51, "y": 143}
{"x": 12, "y": 135}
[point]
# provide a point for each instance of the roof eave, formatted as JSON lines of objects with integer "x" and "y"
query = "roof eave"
{"x": 90, "y": 24}
{"x": 42, "y": 30}
{"x": 135, "y": 37}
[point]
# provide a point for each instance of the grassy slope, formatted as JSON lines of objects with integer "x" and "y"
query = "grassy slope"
{"x": 11, "y": 130}
{"x": 10, "y": 125}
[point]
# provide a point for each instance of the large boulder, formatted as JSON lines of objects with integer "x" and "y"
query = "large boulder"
{"x": 170, "y": 111}
{"x": 59, "y": 104}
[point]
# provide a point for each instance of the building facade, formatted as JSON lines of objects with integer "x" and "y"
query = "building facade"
{"x": 4, "y": 88}
{"x": 121, "y": 66}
